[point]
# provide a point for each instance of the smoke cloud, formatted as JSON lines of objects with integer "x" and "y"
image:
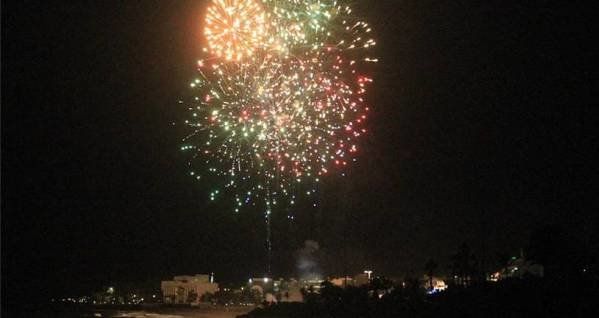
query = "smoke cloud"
{"x": 308, "y": 261}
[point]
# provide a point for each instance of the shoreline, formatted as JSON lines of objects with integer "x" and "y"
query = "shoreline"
{"x": 136, "y": 311}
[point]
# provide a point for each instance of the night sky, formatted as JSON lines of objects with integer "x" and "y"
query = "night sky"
{"x": 481, "y": 133}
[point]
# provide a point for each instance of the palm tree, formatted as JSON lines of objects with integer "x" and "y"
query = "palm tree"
{"x": 464, "y": 265}
{"x": 430, "y": 267}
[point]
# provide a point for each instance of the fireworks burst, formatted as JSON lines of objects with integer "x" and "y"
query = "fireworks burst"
{"x": 282, "y": 104}
{"x": 235, "y": 28}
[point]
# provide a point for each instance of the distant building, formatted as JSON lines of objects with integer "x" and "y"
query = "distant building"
{"x": 358, "y": 280}
{"x": 272, "y": 290}
{"x": 187, "y": 289}
{"x": 311, "y": 285}
{"x": 518, "y": 268}
{"x": 283, "y": 290}
{"x": 291, "y": 291}
{"x": 263, "y": 285}
{"x": 361, "y": 279}
{"x": 342, "y": 281}
{"x": 439, "y": 284}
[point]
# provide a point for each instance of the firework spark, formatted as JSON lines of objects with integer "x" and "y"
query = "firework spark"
{"x": 279, "y": 110}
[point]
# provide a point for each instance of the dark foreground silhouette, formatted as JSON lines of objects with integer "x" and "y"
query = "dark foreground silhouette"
{"x": 530, "y": 297}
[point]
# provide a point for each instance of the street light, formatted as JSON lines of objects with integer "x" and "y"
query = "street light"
{"x": 368, "y": 272}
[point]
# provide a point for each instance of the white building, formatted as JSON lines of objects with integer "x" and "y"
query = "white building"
{"x": 187, "y": 289}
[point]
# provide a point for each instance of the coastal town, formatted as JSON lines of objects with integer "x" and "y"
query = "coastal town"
{"x": 203, "y": 290}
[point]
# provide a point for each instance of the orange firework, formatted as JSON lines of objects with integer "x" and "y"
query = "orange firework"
{"x": 235, "y": 28}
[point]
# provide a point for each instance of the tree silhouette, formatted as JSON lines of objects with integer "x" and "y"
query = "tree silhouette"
{"x": 463, "y": 265}
{"x": 430, "y": 267}
{"x": 381, "y": 283}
